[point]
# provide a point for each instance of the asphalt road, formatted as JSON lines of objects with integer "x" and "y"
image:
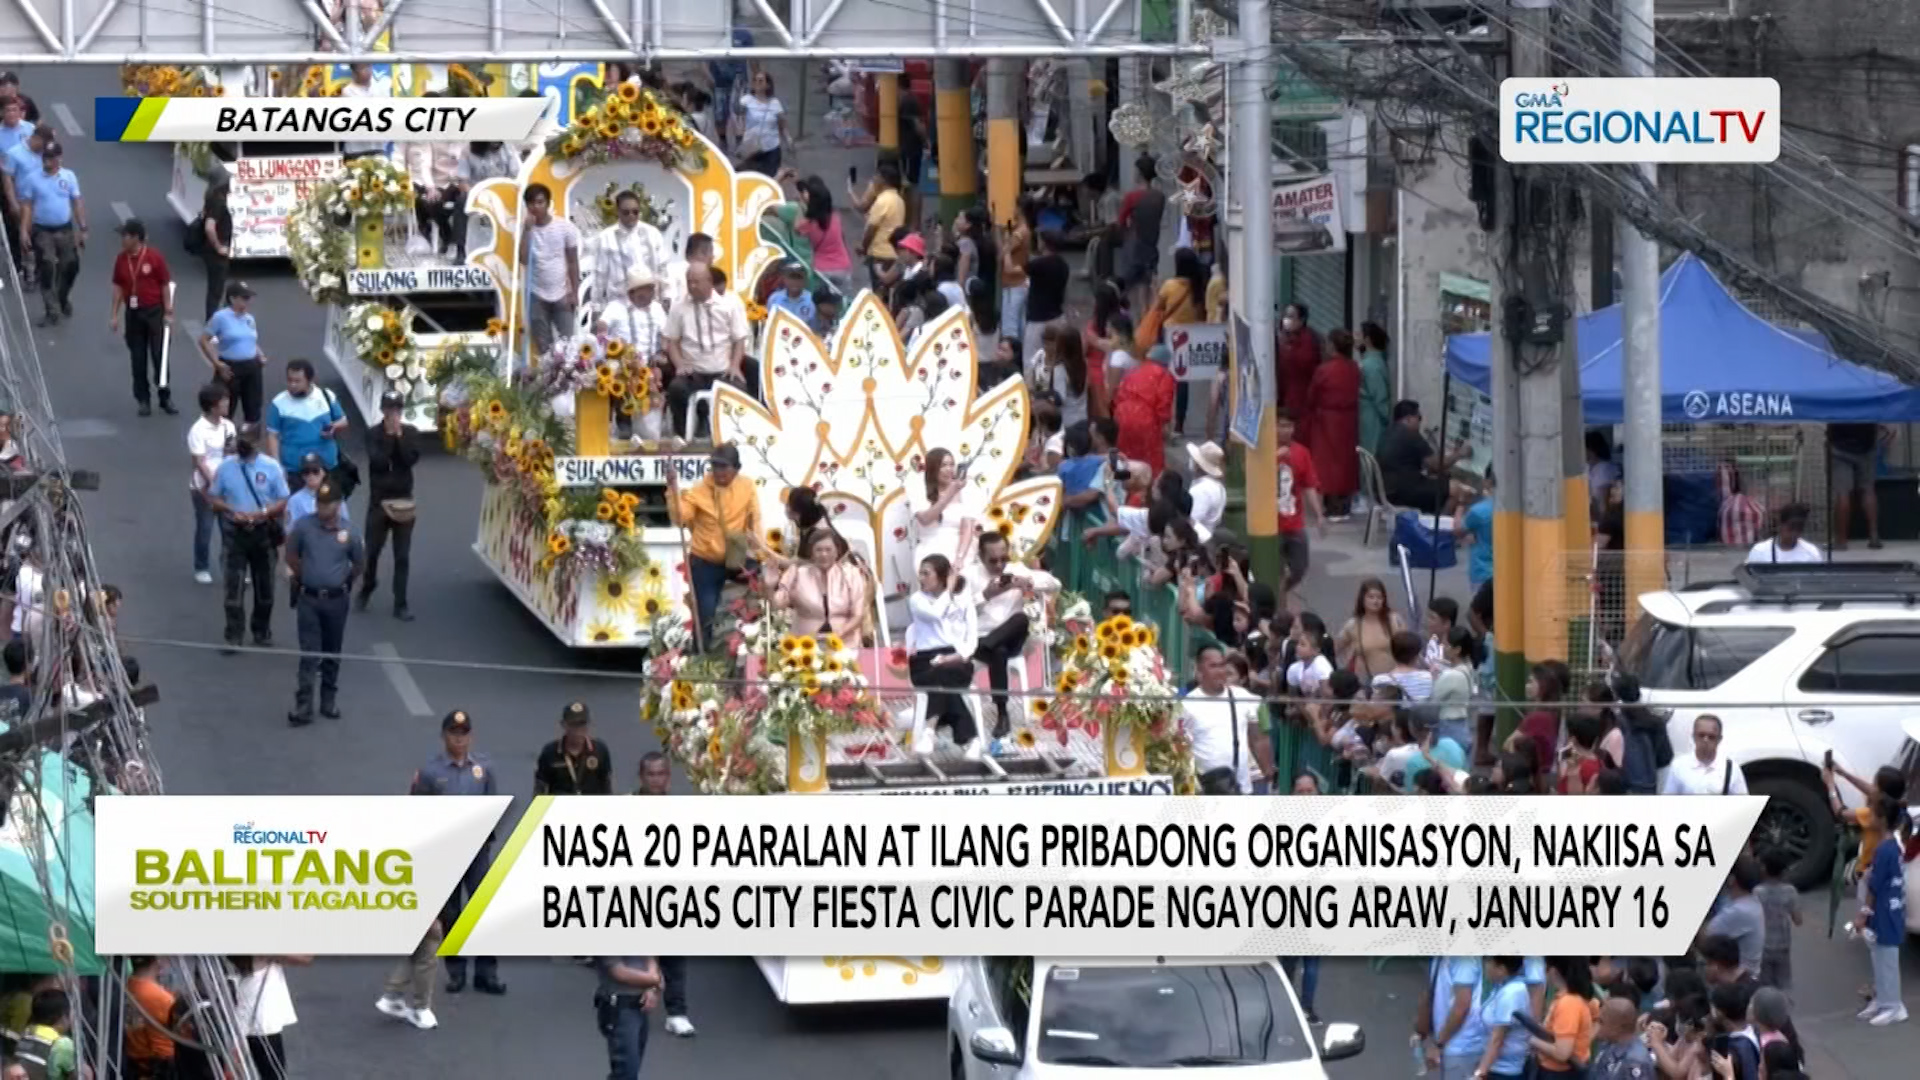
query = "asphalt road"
{"x": 220, "y": 727}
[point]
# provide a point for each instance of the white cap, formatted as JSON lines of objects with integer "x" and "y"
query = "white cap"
{"x": 640, "y": 278}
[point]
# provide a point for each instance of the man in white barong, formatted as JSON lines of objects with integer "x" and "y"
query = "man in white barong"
{"x": 637, "y": 320}
{"x": 627, "y": 245}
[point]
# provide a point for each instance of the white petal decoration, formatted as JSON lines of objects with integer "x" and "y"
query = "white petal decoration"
{"x": 395, "y": 371}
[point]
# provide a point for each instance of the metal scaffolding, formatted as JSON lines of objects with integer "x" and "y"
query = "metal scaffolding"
{"x": 221, "y": 32}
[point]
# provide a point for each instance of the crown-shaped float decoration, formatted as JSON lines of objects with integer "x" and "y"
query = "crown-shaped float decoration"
{"x": 703, "y": 189}
{"x": 855, "y": 417}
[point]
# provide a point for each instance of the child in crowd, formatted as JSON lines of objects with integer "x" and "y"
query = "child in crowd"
{"x": 1780, "y": 908}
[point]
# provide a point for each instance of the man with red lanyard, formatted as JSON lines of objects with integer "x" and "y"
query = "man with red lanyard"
{"x": 1299, "y": 491}
{"x": 140, "y": 286}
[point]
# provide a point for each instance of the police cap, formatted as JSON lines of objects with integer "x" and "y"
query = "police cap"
{"x": 457, "y": 721}
{"x": 575, "y": 715}
{"x": 326, "y": 493}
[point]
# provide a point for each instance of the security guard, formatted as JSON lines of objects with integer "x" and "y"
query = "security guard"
{"x": 325, "y": 558}
{"x": 457, "y": 770}
{"x": 629, "y": 986}
{"x": 576, "y": 763}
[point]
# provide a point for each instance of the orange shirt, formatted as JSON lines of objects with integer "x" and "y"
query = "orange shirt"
{"x": 1571, "y": 1017}
{"x": 145, "y": 1041}
{"x": 709, "y": 512}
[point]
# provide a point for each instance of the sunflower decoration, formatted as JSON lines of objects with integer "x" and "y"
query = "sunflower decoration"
{"x": 628, "y": 122}
{"x": 756, "y": 311}
{"x": 1025, "y": 739}
{"x": 496, "y": 327}
{"x": 1113, "y": 679}
{"x": 605, "y": 632}
{"x": 615, "y": 596}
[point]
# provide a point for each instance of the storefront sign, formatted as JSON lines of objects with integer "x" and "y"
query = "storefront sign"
{"x": 1307, "y": 219}
{"x": 265, "y": 170}
{"x": 1199, "y": 351}
{"x": 1249, "y": 391}
{"x": 629, "y": 470}
{"x": 1140, "y": 785}
{"x": 431, "y": 279}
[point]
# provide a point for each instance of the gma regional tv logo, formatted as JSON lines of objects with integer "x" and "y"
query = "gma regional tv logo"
{"x": 273, "y": 869}
{"x": 1640, "y": 121}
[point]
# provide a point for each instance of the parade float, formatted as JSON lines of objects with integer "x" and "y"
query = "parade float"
{"x": 770, "y": 712}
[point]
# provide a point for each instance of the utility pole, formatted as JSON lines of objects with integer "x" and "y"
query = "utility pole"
{"x": 1541, "y": 275}
{"x": 886, "y": 92}
{"x": 1249, "y": 82}
{"x": 1646, "y": 569}
{"x": 953, "y": 111}
{"x": 1004, "y": 138}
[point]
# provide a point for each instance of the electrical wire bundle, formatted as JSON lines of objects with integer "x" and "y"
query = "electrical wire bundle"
{"x": 83, "y": 731}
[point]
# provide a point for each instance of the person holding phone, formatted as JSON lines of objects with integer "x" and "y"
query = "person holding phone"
{"x": 1001, "y": 597}
{"x": 939, "y": 525}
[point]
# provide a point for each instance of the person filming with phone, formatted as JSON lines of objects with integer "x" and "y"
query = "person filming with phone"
{"x": 941, "y": 525}
{"x": 1004, "y": 589}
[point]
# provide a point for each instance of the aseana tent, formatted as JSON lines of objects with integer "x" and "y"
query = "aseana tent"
{"x": 60, "y": 827}
{"x": 1719, "y": 364}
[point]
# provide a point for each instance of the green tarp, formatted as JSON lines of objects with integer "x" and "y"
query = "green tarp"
{"x": 60, "y": 827}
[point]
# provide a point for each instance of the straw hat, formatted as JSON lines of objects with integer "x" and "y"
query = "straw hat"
{"x": 1208, "y": 458}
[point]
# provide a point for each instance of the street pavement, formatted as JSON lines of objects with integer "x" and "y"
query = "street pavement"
{"x": 220, "y": 727}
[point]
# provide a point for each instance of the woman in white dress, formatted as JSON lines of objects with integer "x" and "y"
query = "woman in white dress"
{"x": 941, "y": 641}
{"x": 266, "y": 1008}
{"x": 940, "y": 525}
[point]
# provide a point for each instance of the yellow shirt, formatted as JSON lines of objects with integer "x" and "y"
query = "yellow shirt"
{"x": 1217, "y": 299}
{"x": 1872, "y": 831}
{"x": 888, "y": 212}
{"x": 709, "y": 512}
{"x": 1013, "y": 261}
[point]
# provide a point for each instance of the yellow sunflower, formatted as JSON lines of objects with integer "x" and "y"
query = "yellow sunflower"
{"x": 652, "y": 606}
{"x": 605, "y": 632}
{"x": 625, "y": 520}
{"x": 616, "y": 349}
{"x": 616, "y": 388}
{"x": 615, "y": 597}
{"x": 628, "y": 92}
{"x": 586, "y": 351}
{"x": 1068, "y": 680}
{"x": 1081, "y": 644}
{"x": 605, "y": 204}
{"x": 807, "y": 646}
{"x": 649, "y": 126}
{"x": 1109, "y": 651}
{"x": 789, "y": 643}
{"x": 775, "y": 538}
{"x": 385, "y": 356}
{"x": 654, "y": 574}
{"x": 1024, "y": 739}
{"x": 1042, "y": 706}
{"x": 834, "y": 644}
{"x": 496, "y": 327}
{"x": 608, "y": 130}
{"x": 1005, "y": 530}
{"x": 997, "y": 514}
{"x": 834, "y": 667}
{"x": 603, "y": 512}
{"x": 570, "y": 146}
{"x": 558, "y": 544}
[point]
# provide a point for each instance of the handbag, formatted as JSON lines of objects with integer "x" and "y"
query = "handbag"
{"x": 276, "y": 526}
{"x": 398, "y": 511}
{"x": 1225, "y": 780}
{"x": 1147, "y": 334}
{"x": 346, "y": 474}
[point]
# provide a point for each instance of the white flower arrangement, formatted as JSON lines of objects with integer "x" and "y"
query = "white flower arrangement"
{"x": 372, "y": 186}
{"x": 320, "y": 235}
{"x": 382, "y": 340}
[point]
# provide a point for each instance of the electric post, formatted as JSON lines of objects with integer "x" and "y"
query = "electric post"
{"x": 1249, "y": 82}
{"x": 1646, "y": 569}
{"x": 953, "y": 112}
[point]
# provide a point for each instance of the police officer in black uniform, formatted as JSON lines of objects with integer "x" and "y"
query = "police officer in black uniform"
{"x": 325, "y": 558}
{"x": 576, "y": 763}
{"x": 457, "y": 770}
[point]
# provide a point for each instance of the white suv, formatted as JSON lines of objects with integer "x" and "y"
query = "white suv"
{"x": 1797, "y": 661}
{"x": 1022, "y": 1018}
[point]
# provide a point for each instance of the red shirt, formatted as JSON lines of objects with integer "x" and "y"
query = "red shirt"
{"x": 1296, "y": 478}
{"x": 142, "y": 276}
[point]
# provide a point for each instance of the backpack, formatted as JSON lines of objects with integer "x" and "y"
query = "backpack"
{"x": 32, "y": 1053}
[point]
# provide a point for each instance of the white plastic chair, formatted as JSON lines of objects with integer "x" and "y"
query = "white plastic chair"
{"x": 923, "y": 740}
{"x": 694, "y": 404}
{"x": 1373, "y": 484}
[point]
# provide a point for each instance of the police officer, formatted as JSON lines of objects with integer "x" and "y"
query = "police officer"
{"x": 576, "y": 763}
{"x": 457, "y": 770}
{"x": 628, "y": 987}
{"x": 324, "y": 557}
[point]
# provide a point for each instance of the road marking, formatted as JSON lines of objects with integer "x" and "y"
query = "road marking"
{"x": 123, "y": 212}
{"x": 402, "y": 680}
{"x": 67, "y": 120}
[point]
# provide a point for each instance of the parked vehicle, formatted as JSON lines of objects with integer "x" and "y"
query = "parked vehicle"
{"x": 1796, "y": 661}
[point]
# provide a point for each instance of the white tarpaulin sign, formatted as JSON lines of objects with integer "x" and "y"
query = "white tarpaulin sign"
{"x": 1199, "y": 351}
{"x": 1307, "y": 218}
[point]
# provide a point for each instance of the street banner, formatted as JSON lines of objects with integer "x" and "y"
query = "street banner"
{"x": 1307, "y": 218}
{"x": 1248, "y": 392}
{"x": 1199, "y": 351}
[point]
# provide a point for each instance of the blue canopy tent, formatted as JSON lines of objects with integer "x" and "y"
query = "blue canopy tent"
{"x": 1719, "y": 363}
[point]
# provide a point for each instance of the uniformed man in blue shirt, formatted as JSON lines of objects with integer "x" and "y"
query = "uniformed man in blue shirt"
{"x": 249, "y": 493}
{"x": 20, "y": 160}
{"x": 457, "y": 770}
{"x": 325, "y": 557}
{"x": 629, "y": 986}
{"x": 57, "y": 229}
